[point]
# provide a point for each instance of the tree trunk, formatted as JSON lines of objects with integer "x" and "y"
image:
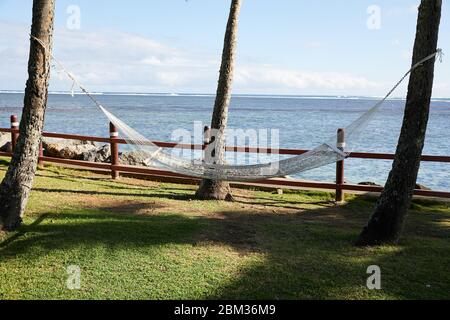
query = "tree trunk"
{"x": 386, "y": 223}
{"x": 16, "y": 186}
{"x": 214, "y": 189}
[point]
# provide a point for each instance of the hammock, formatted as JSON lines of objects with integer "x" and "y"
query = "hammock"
{"x": 324, "y": 154}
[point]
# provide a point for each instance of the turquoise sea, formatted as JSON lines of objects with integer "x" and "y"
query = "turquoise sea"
{"x": 303, "y": 122}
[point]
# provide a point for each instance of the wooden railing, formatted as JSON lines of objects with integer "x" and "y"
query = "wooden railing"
{"x": 115, "y": 167}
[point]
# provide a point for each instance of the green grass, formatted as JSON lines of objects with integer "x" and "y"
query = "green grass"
{"x": 137, "y": 239}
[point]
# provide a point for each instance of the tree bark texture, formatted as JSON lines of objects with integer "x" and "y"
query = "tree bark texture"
{"x": 214, "y": 189}
{"x": 386, "y": 223}
{"x": 16, "y": 186}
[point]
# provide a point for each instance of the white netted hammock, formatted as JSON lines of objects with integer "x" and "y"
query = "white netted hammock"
{"x": 322, "y": 155}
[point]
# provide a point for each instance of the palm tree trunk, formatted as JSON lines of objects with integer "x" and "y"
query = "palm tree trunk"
{"x": 214, "y": 189}
{"x": 386, "y": 223}
{"x": 16, "y": 186}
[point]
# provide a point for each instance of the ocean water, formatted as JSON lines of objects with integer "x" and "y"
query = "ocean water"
{"x": 303, "y": 122}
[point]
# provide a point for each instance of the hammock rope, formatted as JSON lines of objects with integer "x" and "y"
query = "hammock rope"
{"x": 324, "y": 154}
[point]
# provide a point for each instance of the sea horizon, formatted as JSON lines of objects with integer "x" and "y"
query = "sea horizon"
{"x": 206, "y": 94}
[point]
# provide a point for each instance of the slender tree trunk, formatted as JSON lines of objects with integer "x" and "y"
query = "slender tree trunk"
{"x": 16, "y": 186}
{"x": 387, "y": 221}
{"x": 214, "y": 189}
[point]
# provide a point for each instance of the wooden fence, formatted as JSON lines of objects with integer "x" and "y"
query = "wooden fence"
{"x": 115, "y": 167}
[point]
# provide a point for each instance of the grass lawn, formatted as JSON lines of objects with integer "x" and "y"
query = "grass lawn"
{"x": 137, "y": 239}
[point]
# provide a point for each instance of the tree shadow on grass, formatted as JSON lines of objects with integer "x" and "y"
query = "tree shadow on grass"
{"x": 310, "y": 255}
{"x": 280, "y": 203}
{"x": 172, "y": 196}
{"x": 94, "y": 227}
{"x": 304, "y": 255}
{"x": 104, "y": 182}
{"x": 23, "y": 231}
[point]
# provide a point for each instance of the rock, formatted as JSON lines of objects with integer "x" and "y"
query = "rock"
{"x": 6, "y": 147}
{"x": 279, "y": 191}
{"x": 421, "y": 187}
{"x": 133, "y": 158}
{"x": 102, "y": 154}
{"x": 368, "y": 183}
{"x": 5, "y": 142}
{"x": 67, "y": 149}
{"x": 418, "y": 186}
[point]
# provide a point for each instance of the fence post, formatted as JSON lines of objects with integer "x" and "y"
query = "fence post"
{"x": 340, "y": 179}
{"x": 41, "y": 154}
{"x": 206, "y": 141}
{"x": 113, "y": 134}
{"x": 14, "y": 135}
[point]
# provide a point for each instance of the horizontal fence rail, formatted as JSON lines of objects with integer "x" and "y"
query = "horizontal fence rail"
{"x": 115, "y": 167}
{"x": 281, "y": 151}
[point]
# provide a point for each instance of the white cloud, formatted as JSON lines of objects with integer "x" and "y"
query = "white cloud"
{"x": 402, "y": 10}
{"x": 170, "y": 78}
{"x": 108, "y": 60}
{"x": 152, "y": 61}
{"x": 441, "y": 87}
{"x": 279, "y": 79}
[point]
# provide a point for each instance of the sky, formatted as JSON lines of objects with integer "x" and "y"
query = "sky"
{"x": 295, "y": 47}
